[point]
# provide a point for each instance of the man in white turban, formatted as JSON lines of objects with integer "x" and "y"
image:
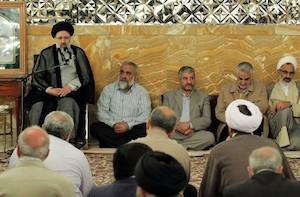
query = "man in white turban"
{"x": 228, "y": 160}
{"x": 284, "y": 105}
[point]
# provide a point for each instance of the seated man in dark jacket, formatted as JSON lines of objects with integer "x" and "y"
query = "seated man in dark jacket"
{"x": 265, "y": 169}
{"x": 62, "y": 80}
{"x": 124, "y": 161}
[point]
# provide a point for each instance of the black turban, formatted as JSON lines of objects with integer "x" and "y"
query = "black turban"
{"x": 160, "y": 174}
{"x": 62, "y": 26}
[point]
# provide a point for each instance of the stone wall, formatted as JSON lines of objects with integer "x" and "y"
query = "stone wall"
{"x": 159, "y": 50}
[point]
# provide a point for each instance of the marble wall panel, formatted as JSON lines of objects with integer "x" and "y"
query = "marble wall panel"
{"x": 159, "y": 50}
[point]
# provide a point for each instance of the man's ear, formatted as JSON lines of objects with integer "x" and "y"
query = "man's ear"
{"x": 148, "y": 125}
{"x": 172, "y": 132}
{"x": 250, "y": 171}
{"x": 230, "y": 132}
{"x": 140, "y": 192}
{"x": 18, "y": 151}
{"x": 279, "y": 170}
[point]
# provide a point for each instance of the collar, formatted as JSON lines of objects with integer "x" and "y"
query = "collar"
{"x": 235, "y": 88}
{"x": 30, "y": 162}
{"x": 156, "y": 131}
{"x": 240, "y": 133}
{"x": 182, "y": 93}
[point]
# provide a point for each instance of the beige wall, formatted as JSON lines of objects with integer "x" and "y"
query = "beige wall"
{"x": 160, "y": 50}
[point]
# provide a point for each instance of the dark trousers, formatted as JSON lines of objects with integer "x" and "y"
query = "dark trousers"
{"x": 109, "y": 139}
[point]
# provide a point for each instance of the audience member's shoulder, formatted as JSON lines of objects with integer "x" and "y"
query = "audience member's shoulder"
{"x": 219, "y": 147}
{"x": 232, "y": 190}
{"x": 62, "y": 146}
{"x": 294, "y": 183}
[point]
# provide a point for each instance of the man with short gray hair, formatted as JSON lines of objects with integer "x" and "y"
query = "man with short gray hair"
{"x": 30, "y": 177}
{"x": 228, "y": 160}
{"x": 64, "y": 157}
{"x": 122, "y": 109}
{"x": 160, "y": 126}
{"x": 265, "y": 172}
{"x": 245, "y": 87}
{"x": 192, "y": 108}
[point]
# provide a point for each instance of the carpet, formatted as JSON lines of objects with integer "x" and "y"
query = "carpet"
{"x": 101, "y": 167}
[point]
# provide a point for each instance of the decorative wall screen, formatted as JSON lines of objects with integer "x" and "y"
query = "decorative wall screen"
{"x": 164, "y": 11}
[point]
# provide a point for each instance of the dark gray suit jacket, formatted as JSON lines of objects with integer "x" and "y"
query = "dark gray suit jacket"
{"x": 228, "y": 161}
{"x": 124, "y": 187}
{"x": 200, "y": 114}
{"x": 265, "y": 183}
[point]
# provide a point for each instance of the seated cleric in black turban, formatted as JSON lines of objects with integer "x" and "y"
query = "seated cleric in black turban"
{"x": 62, "y": 26}
{"x": 160, "y": 174}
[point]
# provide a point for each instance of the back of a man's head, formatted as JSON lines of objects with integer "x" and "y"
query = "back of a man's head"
{"x": 33, "y": 142}
{"x": 243, "y": 116}
{"x": 160, "y": 175}
{"x": 126, "y": 157}
{"x": 59, "y": 124}
{"x": 265, "y": 158}
{"x": 163, "y": 117}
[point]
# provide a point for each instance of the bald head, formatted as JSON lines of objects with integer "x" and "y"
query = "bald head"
{"x": 265, "y": 158}
{"x": 164, "y": 118}
{"x": 33, "y": 142}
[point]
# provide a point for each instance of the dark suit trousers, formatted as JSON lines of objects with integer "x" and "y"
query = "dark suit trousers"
{"x": 109, "y": 139}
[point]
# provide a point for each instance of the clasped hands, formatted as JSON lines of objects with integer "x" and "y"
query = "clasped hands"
{"x": 60, "y": 92}
{"x": 280, "y": 105}
{"x": 184, "y": 128}
{"x": 121, "y": 127}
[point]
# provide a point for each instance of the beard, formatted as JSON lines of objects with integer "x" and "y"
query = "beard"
{"x": 287, "y": 80}
{"x": 125, "y": 85}
{"x": 188, "y": 87}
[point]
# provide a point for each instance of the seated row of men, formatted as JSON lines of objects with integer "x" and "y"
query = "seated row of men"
{"x": 124, "y": 106}
{"x": 63, "y": 80}
{"x": 163, "y": 173}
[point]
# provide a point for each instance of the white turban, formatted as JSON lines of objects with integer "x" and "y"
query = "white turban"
{"x": 287, "y": 59}
{"x": 239, "y": 121}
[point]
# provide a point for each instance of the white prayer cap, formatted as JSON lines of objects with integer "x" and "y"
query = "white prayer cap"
{"x": 243, "y": 122}
{"x": 287, "y": 58}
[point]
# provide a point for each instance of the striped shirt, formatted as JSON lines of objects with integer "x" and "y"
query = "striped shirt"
{"x": 132, "y": 107}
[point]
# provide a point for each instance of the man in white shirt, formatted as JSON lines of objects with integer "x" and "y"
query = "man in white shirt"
{"x": 122, "y": 110}
{"x": 31, "y": 177}
{"x": 63, "y": 157}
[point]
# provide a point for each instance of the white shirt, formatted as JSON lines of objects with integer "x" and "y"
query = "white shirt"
{"x": 132, "y": 107}
{"x": 185, "y": 114}
{"x": 67, "y": 160}
{"x": 285, "y": 87}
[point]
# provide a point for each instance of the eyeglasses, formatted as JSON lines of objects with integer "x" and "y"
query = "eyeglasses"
{"x": 63, "y": 37}
{"x": 287, "y": 72}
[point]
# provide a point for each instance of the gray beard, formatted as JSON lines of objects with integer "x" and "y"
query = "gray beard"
{"x": 124, "y": 85}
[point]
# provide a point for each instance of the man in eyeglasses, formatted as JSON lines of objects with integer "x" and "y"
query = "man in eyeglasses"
{"x": 62, "y": 80}
{"x": 284, "y": 105}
